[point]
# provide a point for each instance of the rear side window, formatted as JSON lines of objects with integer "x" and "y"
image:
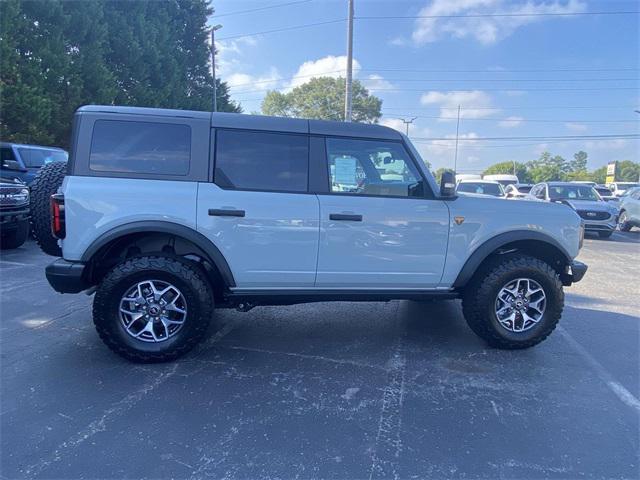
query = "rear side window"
{"x": 261, "y": 161}
{"x": 140, "y": 147}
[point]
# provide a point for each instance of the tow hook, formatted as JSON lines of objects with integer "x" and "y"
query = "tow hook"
{"x": 244, "y": 306}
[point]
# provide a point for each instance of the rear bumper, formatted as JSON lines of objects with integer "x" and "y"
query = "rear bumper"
{"x": 573, "y": 273}
{"x": 67, "y": 277}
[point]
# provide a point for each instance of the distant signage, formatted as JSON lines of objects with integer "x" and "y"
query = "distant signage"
{"x": 611, "y": 172}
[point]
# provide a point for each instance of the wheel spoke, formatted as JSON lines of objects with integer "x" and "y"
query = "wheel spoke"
{"x": 526, "y": 301}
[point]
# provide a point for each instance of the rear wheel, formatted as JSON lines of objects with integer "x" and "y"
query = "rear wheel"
{"x": 516, "y": 302}
{"x": 153, "y": 308}
{"x": 17, "y": 237}
{"x": 47, "y": 182}
{"x": 623, "y": 222}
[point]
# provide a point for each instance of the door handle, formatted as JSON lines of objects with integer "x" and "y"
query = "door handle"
{"x": 221, "y": 212}
{"x": 344, "y": 216}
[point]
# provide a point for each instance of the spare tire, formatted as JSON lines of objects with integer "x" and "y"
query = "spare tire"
{"x": 47, "y": 182}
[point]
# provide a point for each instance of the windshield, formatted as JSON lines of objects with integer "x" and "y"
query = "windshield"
{"x": 506, "y": 182}
{"x": 524, "y": 189}
{"x": 603, "y": 191}
{"x": 494, "y": 189}
{"x": 37, "y": 157}
{"x": 572, "y": 192}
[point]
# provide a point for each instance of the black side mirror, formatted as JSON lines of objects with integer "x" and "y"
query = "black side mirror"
{"x": 448, "y": 184}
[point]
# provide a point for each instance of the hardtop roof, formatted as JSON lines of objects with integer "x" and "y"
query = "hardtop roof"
{"x": 260, "y": 122}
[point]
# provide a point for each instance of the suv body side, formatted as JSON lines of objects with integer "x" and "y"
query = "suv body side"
{"x": 311, "y": 239}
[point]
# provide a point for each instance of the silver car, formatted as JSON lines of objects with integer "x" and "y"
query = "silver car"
{"x": 629, "y": 210}
{"x": 599, "y": 216}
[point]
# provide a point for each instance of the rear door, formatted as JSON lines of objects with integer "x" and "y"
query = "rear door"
{"x": 379, "y": 229}
{"x": 258, "y": 211}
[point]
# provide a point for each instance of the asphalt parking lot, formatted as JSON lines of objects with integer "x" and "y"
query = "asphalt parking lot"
{"x": 346, "y": 390}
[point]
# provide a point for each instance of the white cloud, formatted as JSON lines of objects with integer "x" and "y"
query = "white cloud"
{"x": 473, "y": 103}
{"x": 329, "y": 66}
{"x": 511, "y": 122}
{"x": 486, "y": 30}
{"x": 375, "y": 83}
{"x": 613, "y": 144}
{"x": 229, "y": 52}
{"x": 576, "y": 127}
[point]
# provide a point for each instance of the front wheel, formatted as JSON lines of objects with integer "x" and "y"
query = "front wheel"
{"x": 515, "y": 303}
{"x": 623, "y": 222}
{"x": 153, "y": 308}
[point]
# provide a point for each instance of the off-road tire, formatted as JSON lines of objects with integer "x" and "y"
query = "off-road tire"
{"x": 623, "y": 225}
{"x": 478, "y": 302}
{"x": 605, "y": 234}
{"x": 17, "y": 237}
{"x": 187, "y": 276}
{"x": 47, "y": 182}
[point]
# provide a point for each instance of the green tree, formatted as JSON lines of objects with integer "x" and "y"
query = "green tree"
{"x": 627, "y": 171}
{"x": 599, "y": 175}
{"x": 58, "y": 55}
{"x": 323, "y": 98}
{"x": 547, "y": 168}
{"x": 521, "y": 170}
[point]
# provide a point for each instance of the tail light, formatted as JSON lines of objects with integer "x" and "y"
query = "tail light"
{"x": 57, "y": 216}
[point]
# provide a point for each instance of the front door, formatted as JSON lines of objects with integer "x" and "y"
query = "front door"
{"x": 258, "y": 212}
{"x": 377, "y": 228}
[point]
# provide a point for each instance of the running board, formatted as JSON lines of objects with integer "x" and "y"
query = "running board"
{"x": 246, "y": 299}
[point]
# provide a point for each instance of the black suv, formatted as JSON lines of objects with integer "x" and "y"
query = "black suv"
{"x": 14, "y": 212}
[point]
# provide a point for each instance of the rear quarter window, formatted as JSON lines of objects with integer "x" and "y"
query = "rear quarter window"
{"x": 140, "y": 147}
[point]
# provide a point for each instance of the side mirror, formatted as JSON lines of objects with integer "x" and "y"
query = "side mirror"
{"x": 13, "y": 166}
{"x": 448, "y": 184}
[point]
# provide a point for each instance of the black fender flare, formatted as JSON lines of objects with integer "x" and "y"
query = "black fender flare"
{"x": 195, "y": 237}
{"x": 487, "y": 248}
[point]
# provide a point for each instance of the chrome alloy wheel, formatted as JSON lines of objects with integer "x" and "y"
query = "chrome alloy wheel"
{"x": 153, "y": 311}
{"x": 520, "y": 304}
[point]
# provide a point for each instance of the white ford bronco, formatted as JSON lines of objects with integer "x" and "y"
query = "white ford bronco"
{"x": 166, "y": 214}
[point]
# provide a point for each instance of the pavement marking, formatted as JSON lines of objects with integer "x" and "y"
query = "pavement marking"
{"x": 308, "y": 357}
{"x": 616, "y": 387}
{"x": 16, "y": 264}
{"x": 388, "y": 446}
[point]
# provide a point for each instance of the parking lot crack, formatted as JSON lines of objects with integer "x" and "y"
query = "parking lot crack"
{"x": 385, "y": 456}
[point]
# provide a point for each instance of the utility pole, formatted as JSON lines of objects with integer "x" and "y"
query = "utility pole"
{"x": 407, "y": 123}
{"x": 213, "y": 65}
{"x": 455, "y": 158}
{"x": 347, "y": 93}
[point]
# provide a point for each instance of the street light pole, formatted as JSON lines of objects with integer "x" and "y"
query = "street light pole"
{"x": 347, "y": 93}
{"x": 213, "y": 65}
{"x": 455, "y": 158}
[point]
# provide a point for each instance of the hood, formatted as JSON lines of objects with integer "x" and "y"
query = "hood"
{"x": 593, "y": 205}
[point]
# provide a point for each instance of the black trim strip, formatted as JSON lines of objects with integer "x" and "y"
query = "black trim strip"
{"x": 219, "y": 212}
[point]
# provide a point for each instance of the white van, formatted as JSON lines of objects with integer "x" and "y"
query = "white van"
{"x": 503, "y": 179}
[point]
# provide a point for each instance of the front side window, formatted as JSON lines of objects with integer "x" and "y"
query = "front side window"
{"x": 372, "y": 167}
{"x": 37, "y": 157}
{"x": 247, "y": 160}
{"x": 140, "y": 147}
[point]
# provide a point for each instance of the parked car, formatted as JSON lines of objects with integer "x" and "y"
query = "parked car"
{"x": 502, "y": 179}
{"x": 14, "y": 212}
{"x": 24, "y": 161}
{"x": 605, "y": 193}
{"x": 600, "y": 217}
{"x": 517, "y": 190}
{"x": 619, "y": 188}
{"x": 629, "y": 210}
{"x": 481, "y": 187}
{"x": 166, "y": 214}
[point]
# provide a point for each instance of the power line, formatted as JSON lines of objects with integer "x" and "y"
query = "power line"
{"x": 484, "y": 15}
{"x": 510, "y": 145}
{"x": 543, "y": 138}
{"x": 486, "y": 70}
{"x": 523, "y": 120}
{"x": 515, "y": 107}
{"x": 590, "y": 89}
{"x": 284, "y": 29}
{"x": 241, "y": 12}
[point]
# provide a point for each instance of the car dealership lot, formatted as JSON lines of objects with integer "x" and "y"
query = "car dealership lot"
{"x": 344, "y": 390}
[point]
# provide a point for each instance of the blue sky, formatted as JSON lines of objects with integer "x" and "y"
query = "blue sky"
{"x": 513, "y": 76}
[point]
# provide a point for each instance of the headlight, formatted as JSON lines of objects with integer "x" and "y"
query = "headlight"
{"x": 20, "y": 197}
